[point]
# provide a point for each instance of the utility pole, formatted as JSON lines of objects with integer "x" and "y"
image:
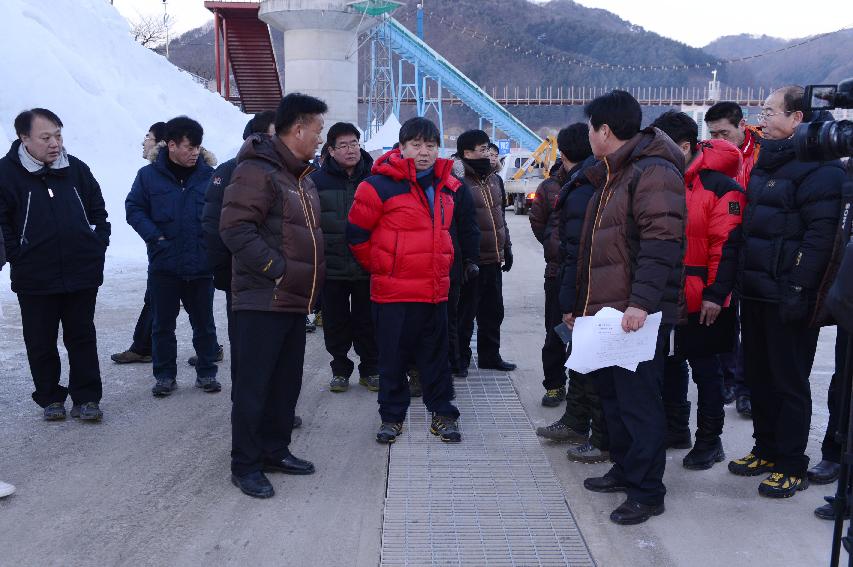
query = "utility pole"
{"x": 166, "y": 25}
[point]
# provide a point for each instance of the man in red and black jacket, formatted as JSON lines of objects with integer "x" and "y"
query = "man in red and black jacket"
{"x": 715, "y": 204}
{"x": 399, "y": 231}
{"x": 725, "y": 121}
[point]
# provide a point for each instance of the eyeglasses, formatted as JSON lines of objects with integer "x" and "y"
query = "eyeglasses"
{"x": 350, "y": 146}
{"x": 764, "y": 115}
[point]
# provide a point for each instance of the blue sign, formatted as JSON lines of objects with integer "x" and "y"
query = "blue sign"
{"x": 503, "y": 147}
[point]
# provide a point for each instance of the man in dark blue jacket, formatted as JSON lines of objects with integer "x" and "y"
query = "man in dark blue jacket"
{"x": 165, "y": 207}
{"x": 218, "y": 255}
{"x": 56, "y": 235}
{"x": 789, "y": 229}
{"x": 582, "y": 424}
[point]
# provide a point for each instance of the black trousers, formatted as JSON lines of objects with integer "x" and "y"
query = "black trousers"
{"x": 553, "y": 351}
{"x": 406, "y": 332}
{"x": 830, "y": 448}
{"x": 166, "y": 293}
{"x": 778, "y": 359}
{"x": 265, "y": 392}
{"x": 144, "y": 327}
{"x": 732, "y": 362}
{"x": 482, "y": 299}
{"x": 636, "y": 422}
{"x": 348, "y": 322}
{"x": 707, "y": 375}
{"x": 41, "y": 316}
{"x": 232, "y": 335}
{"x": 583, "y": 410}
{"x": 454, "y": 352}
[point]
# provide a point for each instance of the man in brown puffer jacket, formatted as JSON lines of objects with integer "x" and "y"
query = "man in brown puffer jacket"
{"x": 631, "y": 253}
{"x": 271, "y": 224}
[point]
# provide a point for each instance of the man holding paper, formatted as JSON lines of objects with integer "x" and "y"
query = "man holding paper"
{"x": 630, "y": 259}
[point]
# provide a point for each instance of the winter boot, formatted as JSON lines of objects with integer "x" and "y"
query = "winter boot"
{"x": 678, "y": 425}
{"x": 708, "y": 449}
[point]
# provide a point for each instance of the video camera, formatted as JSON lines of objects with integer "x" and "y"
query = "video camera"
{"x": 824, "y": 141}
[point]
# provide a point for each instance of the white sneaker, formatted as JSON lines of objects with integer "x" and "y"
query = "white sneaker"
{"x": 6, "y": 489}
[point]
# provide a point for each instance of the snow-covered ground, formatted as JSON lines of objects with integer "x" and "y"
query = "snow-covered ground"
{"x": 76, "y": 57}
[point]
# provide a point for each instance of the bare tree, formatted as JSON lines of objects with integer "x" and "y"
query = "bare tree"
{"x": 150, "y": 31}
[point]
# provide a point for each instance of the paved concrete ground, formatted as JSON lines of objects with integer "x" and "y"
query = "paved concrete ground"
{"x": 150, "y": 485}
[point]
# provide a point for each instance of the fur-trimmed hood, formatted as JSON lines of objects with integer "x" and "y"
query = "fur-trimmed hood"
{"x": 208, "y": 156}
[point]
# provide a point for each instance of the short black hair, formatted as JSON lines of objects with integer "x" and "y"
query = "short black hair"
{"x": 259, "y": 123}
{"x": 679, "y": 127}
{"x": 340, "y": 129}
{"x": 419, "y": 128}
{"x": 159, "y": 131}
{"x": 182, "y": 127}
{"x": 619, "y": 110}
{"x": 494, "y": 146}
{"x": 470, "y": 140}
{"x": 573, "y": 142}
{"x": 24, "y": 120}
{"x": 727, "y": 110}
{"x": 296, "y": 107}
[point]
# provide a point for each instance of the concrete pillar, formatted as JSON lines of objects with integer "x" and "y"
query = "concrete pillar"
{"x": 320, "y": 51}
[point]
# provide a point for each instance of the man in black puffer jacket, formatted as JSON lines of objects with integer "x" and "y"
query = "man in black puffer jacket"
{"x": 582, "y": 424}
{"x": 56, "y": 234}
{"x": 218, "y": 254}
{"x": 347, "y": 320}
{"x": 789, "y": 229}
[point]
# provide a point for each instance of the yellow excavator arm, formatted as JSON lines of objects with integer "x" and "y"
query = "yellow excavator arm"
{"x": 545, "y": 155}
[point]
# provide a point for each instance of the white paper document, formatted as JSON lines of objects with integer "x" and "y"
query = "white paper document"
{"x": 599, "y": 342}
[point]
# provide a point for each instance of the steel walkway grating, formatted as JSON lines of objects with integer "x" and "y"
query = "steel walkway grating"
{"x": 492, "y": 500}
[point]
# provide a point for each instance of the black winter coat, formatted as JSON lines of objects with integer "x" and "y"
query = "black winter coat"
{"x": 790, "y": 223}
{"x": 464, "y": 232}
{"x": 336, "y": 190}
{"x": 54, "y": 224}
{"x": 218, "y": 255}
{"x": 571, "y": 207}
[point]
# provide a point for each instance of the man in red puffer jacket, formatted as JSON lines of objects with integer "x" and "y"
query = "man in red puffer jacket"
{"x": 399, "y": 231}
{"x": 715, "y": 204}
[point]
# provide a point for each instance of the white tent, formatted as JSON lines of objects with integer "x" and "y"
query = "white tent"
{"x": 386, "y": 136}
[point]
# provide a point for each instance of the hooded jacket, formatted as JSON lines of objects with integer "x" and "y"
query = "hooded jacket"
{"x": 715, "y": 205}
{"x": 571, "y": 207}
{"x": 488, "y": 211}
{"x": 218, "y": 255}
{"x": 336, "y": 190}
{"x": 54, "y": 225}
{"x": 632, "y": 249}
{"x": 160, "y": 205}
{"x": 401, "y": 238}
{"x": 271, "y": 224}
{"x": 545, "y": 220}
{"x": 790, "y": 223}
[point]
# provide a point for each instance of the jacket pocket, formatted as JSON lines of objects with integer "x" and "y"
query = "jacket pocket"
{"x": 23, "y": 239}
{"x": 162, "y": 207}
{"x": 83, "y": 208}
{"x": 776, "y": 258}
{"x": 395, "y": 253}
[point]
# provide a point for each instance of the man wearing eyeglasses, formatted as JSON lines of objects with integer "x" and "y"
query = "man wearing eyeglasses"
{"x": 347, "y": 319}
{"x": 789, "y": 227}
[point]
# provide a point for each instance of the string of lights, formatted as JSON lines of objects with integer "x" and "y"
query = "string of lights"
{"x": 561, "y": 58}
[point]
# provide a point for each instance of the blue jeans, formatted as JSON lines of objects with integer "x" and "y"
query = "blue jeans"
{"x": 166, "y": 293}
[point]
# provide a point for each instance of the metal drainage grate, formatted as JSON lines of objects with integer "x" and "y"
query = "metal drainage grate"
{"x": 491, "y": 500}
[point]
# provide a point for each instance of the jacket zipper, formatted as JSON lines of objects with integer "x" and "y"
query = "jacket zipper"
{"x": 596, "y": 221}
{"x": 309, "y": 214}
{"x": 26, "y": 220}
{"x": 85, "y": 216}
{"x": 489, "y": 204}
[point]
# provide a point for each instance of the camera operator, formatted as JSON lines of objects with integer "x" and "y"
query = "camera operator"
{"x": 789, "y": 230}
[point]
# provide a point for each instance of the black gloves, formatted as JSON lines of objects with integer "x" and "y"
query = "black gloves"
{"x": 507, "y": 259}
{"x": 470, "y": 270}
{"x": 794, "y": 306}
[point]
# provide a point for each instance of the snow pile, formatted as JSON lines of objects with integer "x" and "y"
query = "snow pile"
{"x": 77, "y": 58}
